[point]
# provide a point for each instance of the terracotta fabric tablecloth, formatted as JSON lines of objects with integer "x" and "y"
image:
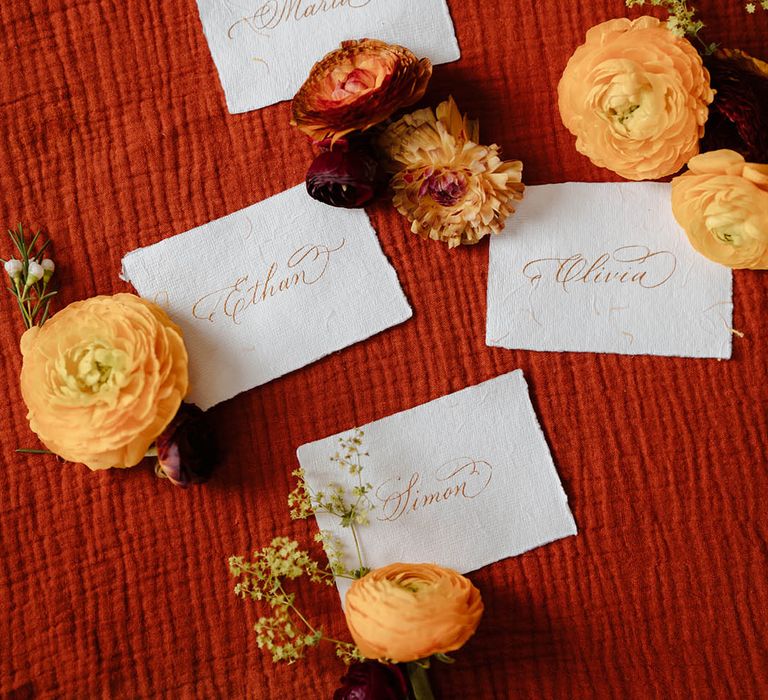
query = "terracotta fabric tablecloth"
{"x": 114, "y": 134}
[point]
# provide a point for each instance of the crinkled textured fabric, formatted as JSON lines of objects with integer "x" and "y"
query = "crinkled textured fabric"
{"x": 114, "y": 134}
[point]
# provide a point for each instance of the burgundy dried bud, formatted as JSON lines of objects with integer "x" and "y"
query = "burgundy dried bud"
{"x": 343, "y": 178}
{"x": 371, "y": 680}
{"x": 186, "y": 449}
{"x": 738, "y": 118}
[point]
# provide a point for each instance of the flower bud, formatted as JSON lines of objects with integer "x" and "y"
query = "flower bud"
{"x": 343, "y": 178}
{"x": 14, "y": 268}
{"x": 35, "y": 272}
{"x": 48, "y": 269}
{"x": 738, "y": 118}
{"x": 371, "y": 680}
{"x": 186, "y": 449}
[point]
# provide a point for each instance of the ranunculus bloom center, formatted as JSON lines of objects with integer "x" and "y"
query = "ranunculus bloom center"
{"x": 724, "y": 227}
{"x": 628, "y": 103}
{"x": 446, "y": 187}
{"x": 353, "y": 83}
{"x": 91, "y": 367}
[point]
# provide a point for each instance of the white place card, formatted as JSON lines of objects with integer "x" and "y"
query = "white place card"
{"x": 462, "y": 481}
{"x": 605, "y": 268}
{"x": 264, "y": 49}
{"x": 269, "y": 289}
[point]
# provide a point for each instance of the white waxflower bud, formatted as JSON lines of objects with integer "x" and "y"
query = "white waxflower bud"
{"x": 14, "y": 268}
{"x": 48, "y": 267}
{"x": 34, "y": 272}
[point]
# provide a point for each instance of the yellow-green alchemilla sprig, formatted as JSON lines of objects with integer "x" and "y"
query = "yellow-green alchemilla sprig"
{"x": 751, "y": 7}
{"x": 30, "y": 275}
{"x": 682, "y": 19}
{"x": 351, "y": 506}
{"x": 286, "y": 633}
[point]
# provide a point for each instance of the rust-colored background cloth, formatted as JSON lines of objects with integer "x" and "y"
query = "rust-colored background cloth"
{"x": 114, "y": 134}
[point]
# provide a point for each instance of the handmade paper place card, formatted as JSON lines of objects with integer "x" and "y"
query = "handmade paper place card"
{"x": 269, "y": 289}
{"x": 462, "y": 481}
{"x": 605, "y": 268}
{"x": 264, "y": 49}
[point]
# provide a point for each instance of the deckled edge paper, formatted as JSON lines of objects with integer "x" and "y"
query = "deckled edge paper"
{"x": 602, "y": 325}
{"x": 234, "y": 355}
{"x": 402, "y": 433}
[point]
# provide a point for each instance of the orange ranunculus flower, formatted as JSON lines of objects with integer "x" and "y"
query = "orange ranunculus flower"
{"x": 636, "y": 97}
{"x": 722, "y": 203}
{"x": 103, "y": 378}
{"x": 404, "y": 612}
{"x": 358, "y": 86}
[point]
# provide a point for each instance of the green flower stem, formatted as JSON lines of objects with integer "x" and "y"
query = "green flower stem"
{"x": 357, "y": 547}
{"x": 419, "y": 679}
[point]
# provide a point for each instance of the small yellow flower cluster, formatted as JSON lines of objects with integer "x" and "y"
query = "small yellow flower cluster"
{"x": 751, "y": 7}
{"x": 286, "y": 633}
{"x": 682, "y": 18}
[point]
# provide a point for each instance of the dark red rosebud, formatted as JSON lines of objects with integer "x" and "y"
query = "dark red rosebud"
{"x": 344, "y": 177}
{"x": 371, "y": 680}
{"x": 738, "y": 118}
{"x": 186, "y": 450}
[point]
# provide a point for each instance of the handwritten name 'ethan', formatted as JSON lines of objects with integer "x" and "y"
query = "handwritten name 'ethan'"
{"x": 305, "y": 266}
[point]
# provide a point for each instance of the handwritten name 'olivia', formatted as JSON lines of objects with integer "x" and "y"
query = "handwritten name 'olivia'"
{"x": 271, "y": 14}
{"x": 456, "y": 479}
{"x": 634, "y": 264}
{"x": 305, "y": 266}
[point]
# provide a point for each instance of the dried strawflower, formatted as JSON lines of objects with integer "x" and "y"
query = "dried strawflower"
{"x": 722, "y": 204}
{"x": 738, "y": 118}
{"x": 450, "y": 188}
{"x": 635, "y": 95}
{"x": 344, "y": 177}
{"x": 358, "y": 86}
{"x": 187, "y": 450}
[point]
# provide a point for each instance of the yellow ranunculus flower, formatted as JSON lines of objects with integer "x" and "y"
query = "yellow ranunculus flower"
{"x": 404, "y": 612}
{"x": 103, "y": 378}
{"x": 722, "y": 204}
{"x": 636, "y": 97}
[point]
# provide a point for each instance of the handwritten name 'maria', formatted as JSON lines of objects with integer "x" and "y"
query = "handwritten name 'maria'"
{"x": 456, "y": 479}
{"x": 633, "y": 264}
{"x": 305, "y": 267}
{"x": 271, "y": 14}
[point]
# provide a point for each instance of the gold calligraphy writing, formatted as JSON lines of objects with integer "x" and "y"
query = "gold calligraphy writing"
{"x": 456, "y": 479}
{"x": 305, "y": 266}
{"x": 634, "y": 264}
{"x": 273, "y": 13}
